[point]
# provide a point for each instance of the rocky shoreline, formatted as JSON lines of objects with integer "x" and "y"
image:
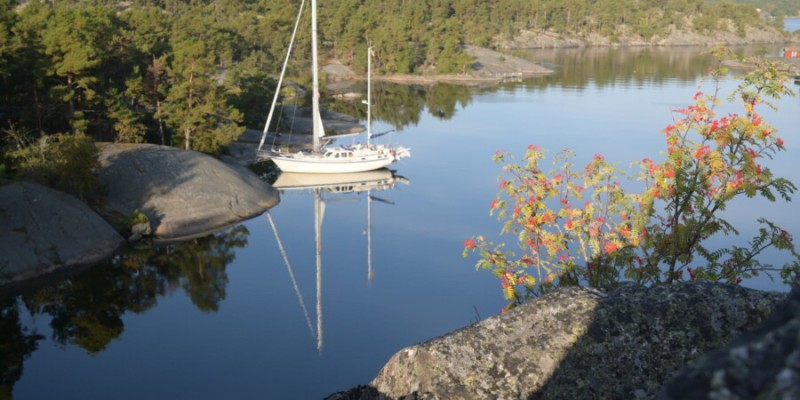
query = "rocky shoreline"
{"x": 493, "y": 66}
{"x": 182, "y": 194}
{"x": 675, "y": 37}
{"x": 489, "y": 67}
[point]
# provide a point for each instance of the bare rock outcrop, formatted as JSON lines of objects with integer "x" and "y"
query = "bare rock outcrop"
{"x": 573, "y": 344}
{"x": 489, "y": 66}
{"x": 44, "y": 231}
{"x": 673, "y": 37}
{"x": 492, "y": 63}
{"x": 183, "y": 193}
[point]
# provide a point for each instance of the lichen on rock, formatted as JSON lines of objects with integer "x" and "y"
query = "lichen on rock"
{"x": 762, "y": 364}
{"x": 575, "y": 343}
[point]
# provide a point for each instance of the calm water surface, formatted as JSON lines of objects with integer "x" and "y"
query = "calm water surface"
{"x": 791, "y": 24}
{"x": 228, "y": 316}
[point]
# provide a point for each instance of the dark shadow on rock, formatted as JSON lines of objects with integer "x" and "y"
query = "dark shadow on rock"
{"x": 762, "y": 364}
{"x": 362, "y": 392}
{"x": 639, "y": 337}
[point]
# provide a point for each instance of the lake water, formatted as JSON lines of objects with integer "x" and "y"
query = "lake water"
{"x": 250, "y": 313}
{"x": 791, "y": 24}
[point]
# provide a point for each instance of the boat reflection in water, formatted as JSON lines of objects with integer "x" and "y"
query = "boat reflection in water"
{"x": 324, "y": 186}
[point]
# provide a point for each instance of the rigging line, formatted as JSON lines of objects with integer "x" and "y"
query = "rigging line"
{"x": 377, "y": 135}
{"x": 294, "y": 116}
{"x": 280, "y": 79}
{"x": 291, "y": 275}
{"x": 277, "y": 127}
{"x": 278, "y": 124}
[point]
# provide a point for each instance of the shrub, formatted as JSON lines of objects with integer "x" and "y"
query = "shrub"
{"x": 578, "y": 226}
{"x": 137, "y": 217}
{"x": 67, "y": 162}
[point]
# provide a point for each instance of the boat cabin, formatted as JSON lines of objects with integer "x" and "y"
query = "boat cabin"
{"x": 791, "y": 52}
{"x": 338, "y": 153}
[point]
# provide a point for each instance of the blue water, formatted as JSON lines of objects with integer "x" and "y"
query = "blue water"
{"x": 259, "y": 343}
{"x": 791, "y": 24}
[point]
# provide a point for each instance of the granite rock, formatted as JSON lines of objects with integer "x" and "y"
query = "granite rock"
{"x": 762, "y": 364}
{"x": 575, "y": 343}
{"x": 44, "y": 231}
{"x": 183, "y": 193}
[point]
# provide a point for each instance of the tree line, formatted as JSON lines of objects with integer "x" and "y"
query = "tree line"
{"x": 777, "y": 8}
{"x": 194, "y": 73}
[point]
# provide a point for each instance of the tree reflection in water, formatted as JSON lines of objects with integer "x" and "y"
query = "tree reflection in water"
{"x": 16, "y": 344}
{"x": 403, "y": 105}
{"x": 86, "y": 308}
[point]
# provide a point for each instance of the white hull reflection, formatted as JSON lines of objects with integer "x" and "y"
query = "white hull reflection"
{"x": 331, "y": 184}
{"x": 380, "y": 179}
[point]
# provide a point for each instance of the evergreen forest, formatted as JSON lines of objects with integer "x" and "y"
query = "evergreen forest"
{"x": 778, "y": 8}
{"x": 195, "y": 73}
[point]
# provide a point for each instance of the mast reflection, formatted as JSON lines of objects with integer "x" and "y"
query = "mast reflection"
{"x": 324, "y": 186}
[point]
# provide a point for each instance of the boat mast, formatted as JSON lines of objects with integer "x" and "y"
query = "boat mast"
{"x": 317, "y": 130}
{"x": 369, "y": 93}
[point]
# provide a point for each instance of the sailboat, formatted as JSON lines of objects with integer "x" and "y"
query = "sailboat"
{"x": 323, "y": 159}
{"x": 362, "y": 182}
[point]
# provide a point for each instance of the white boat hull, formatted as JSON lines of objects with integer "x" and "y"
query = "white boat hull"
{"x": 313, "y": 165}
{"x": 338, "y": 160}
{"x": 350, "y": 182}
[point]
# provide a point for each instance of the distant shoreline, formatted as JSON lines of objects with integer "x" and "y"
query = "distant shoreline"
{"x": 495, "y": 67}
{"x": 492, "y": 66}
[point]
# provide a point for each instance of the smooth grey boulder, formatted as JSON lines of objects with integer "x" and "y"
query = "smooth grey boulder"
{"x": 575, "y": 344}
{"x": 43, "y": 230}
{"x": 183, "y": 193}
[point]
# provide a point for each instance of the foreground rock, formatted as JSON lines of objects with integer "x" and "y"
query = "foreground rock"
{"x": 43, "y": 231}
{"x": 183, "y": 193}
{"x": 763, "y": 364}
{"x": 573, "y": 344}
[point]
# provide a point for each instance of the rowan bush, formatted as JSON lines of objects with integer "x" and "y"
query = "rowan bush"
{"x": 578, "y": 226}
